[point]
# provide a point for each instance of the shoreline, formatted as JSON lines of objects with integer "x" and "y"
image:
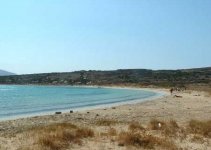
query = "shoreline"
{"x": 159, "y": 94}
{"x": 190, "y": 105}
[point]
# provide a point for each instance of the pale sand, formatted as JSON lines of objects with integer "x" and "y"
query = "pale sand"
{"x": 192, "y": 105}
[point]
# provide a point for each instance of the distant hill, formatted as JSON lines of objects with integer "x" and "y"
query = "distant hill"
{"x": 138, "y": 77}
{"x": 5, "y": 73}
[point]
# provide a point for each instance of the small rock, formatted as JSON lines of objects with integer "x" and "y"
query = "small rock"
{"x": 121, "y": 144}
{"x": 79, "y": 118}
{"x": 58, "y": 112}
{"x": 71, "y": 111}
{"x": 177, "y": 96}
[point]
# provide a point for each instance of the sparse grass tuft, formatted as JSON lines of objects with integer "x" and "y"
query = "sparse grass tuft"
{"x": 135, "y": 126}
{"x": 198, "y": 139}
{"x": 134, "y": 139}
{"x": 171, "y": 128}
{"x": 156, "y": 124}
{"x": 143, "y": 140}
{"x": 112, "y": 132}
{"x": 200, "y": 127}
{"x": 106, "y": 122}
{"x": 173, "y": 124}
{"x": 84, "y": 133}
{"x": 165, "y": 143}
{"x": 59, "y": 136}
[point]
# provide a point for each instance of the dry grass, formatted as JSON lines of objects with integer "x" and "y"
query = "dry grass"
{"x": 173, "y": 124}
{"x": 200, "y": 127}
{"x": 198, "y": 139}
{"x": 60, "y": 136}
{"x": 112, "y": 132}
{"x": 169, "y": 128}
{"x": 158, "y": 135}
{"x": 145, "y": 141}
{"x": 156, "y": 124}
{"x": 106, "y": 122}
{"x": 134, "y": 139}
{"x": 134, "y": 126}
{"x": 166, "y": 143}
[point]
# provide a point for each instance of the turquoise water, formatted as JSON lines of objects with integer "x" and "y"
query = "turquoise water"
{"x": 17, "y": 100}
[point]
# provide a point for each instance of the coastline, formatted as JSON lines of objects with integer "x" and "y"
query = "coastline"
{"x": 190, "y": 105}
{"x": 159, "y": 93}
{"x": 162, "y": 95}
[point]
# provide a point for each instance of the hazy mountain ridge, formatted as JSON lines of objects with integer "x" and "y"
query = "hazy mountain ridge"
{"x": 142, "y": 77}
{"x": 5, "y": 73}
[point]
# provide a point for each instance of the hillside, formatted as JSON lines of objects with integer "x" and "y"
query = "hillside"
{"x": 141, "y": 77}
{"x": 5, "y": 73}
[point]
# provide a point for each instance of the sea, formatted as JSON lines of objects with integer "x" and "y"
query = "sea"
{"x": 18, "y": 101}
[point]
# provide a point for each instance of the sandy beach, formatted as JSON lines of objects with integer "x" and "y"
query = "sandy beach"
{"x": 105, "y": 75}
{"x": 185, "y": 106}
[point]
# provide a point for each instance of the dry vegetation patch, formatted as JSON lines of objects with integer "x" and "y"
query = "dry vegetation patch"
{"x": 198, "y": 139}
{"x": 155, "y": 124}
{"x": 144, "y": 140}
{"x": 158, "y": 135}
{"x": 60, "y": 136}
{"x": 168, "y": 128}
{"x": 200, "y": 127}
{"x": 106, "y": 122}
{"x": 112, "y": 132}
{"x": 171, "y": 128}
{"x": 134, "y": 139}
{"x": 135, "y": 126}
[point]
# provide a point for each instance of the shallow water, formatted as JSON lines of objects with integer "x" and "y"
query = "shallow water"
{"x": 17, "y": 100}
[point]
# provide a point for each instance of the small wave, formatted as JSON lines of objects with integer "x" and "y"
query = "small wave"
{"x": 6, "y": 89}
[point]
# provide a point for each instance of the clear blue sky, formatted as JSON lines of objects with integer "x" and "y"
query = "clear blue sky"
{"x": 66, "y": 35}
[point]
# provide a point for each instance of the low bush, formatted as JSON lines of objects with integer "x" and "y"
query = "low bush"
{"x": 59, "y": 136}
{"x": 145, "y": 141}
{"x": 200, "y": 127}
{"x": 135, "y": 126}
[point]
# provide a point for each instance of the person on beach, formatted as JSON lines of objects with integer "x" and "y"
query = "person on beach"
{"x": 171, "y": 90}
